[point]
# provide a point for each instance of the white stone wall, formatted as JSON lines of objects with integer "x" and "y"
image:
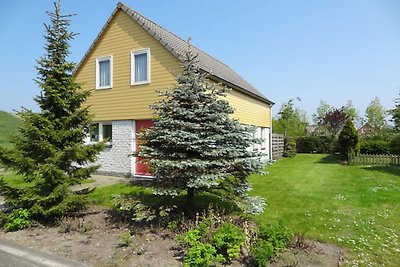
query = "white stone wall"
{"x": 115, "y": 160}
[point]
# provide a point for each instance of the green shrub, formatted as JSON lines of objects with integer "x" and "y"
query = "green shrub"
{"x": 277, "y": 235}
{"x": 374, "y": 147}
{"x": 201, "y": 255}
{"x": 209, "y": 243}
{"x": 313, "y": 144}
{"x": 18, "y": 219}
{"x": 348, "y": 139}
{"x": 190, "y": 238}
{"x": 395, "y": 145}
{"x": 198, "y": 252}
{"x": 262, "y": 252}
{"x": 228, "y": 239}
{"x": 289, "y": 149}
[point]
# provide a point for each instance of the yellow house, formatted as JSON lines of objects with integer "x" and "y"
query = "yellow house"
{"x": 133, "y": 57}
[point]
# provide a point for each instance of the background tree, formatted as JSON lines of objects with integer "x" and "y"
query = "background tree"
{"x": 395, "y": 113}
{"x": 322, "y": 109}
{"x": 194, "y": 145}
{"x": 290, "y": 121}
{"x": 376, "y": 114}
{"x": 352, "y": 113}
{"x": 348, "y": 139}
{"x": 334, "y": 121}
{"x": 49, "y": 151}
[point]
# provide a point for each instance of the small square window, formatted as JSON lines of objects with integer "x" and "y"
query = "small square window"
{"x": 104, "y": 72}
{"x": 101, "y": 131}
{"x": 140, "y": 66}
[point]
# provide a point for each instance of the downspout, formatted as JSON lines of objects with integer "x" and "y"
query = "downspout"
{"x": 270, "y": 133}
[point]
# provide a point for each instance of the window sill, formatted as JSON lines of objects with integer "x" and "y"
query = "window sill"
{"x": 103, "y": 87}
{"x": 140, "y": 83}
{"x": 107, "y": 145}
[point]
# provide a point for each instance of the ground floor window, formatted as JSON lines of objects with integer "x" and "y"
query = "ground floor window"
{"x": 101, "y": 131}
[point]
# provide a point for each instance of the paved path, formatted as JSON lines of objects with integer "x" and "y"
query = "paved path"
{"x": 101, "y": 181}
{"x": 15, "y": 255}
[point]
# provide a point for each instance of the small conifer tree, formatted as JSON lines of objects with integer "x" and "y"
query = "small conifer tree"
{"x": 49, "y": 151}
{"x": 195, "y": 145}
{"x": 348, "y": 139}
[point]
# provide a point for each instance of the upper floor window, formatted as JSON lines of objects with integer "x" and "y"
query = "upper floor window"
{"x": 104, "y": 72}
{"x": 140, "y": 66}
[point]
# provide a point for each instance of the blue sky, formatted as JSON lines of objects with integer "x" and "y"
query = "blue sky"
{"x": 332, "y": 50}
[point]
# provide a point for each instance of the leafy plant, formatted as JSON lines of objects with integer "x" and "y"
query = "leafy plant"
{"x": 190, "y": 238}
{"x": 262, "y": 252}
{"x": 125, "y": 240}
{"x": 130, "y": 207}
{"x": 201, "y": 255}
{"x": 277, "y": 235}
{"x": 272, "y": 240}
{"x": 210, "y": 242}
{"x": 228, "y": 239}
{"x": 18, "y": 219}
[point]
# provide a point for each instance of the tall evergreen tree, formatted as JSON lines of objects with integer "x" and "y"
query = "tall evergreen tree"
{"x": 49, "y": 151}
{"x": 194, "y": 144}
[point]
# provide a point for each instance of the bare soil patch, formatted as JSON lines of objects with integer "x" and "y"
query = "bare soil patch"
{"x": 311, "y": 254}
{"x": 95, "y": 240}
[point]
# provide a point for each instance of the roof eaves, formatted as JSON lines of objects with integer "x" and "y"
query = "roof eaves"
{"x": 136, "y": 17}
{"x": 97, "y": 38}
{"x": 218, "y": 79}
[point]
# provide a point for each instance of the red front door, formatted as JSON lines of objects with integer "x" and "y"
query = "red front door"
{"x": 141, "y": 167}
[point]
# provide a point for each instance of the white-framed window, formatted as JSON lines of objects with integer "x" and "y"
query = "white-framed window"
{"x": 101, "y": 131}
{"x": 104, "y": 72}
{"x": 140, "y": 66}
{"x": 264, "y": 138}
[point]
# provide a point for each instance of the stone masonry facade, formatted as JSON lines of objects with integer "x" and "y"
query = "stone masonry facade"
{"x": 115, "y": 159}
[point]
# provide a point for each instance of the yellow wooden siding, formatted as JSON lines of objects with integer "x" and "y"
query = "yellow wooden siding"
{"x": 249, "y": 110}
{"x": 125, "y": 101}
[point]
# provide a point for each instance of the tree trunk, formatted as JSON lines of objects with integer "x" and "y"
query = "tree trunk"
{"x": 190, "y": 197}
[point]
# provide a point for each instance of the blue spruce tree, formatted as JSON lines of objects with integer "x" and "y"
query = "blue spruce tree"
{"x": 195, "y": 145}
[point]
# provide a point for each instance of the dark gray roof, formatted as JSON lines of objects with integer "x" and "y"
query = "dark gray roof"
{"x": 177, "y": 47}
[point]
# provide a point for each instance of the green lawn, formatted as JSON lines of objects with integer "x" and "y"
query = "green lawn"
{"x": 355, "y": 207}
{"x": 8, "y": 126}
